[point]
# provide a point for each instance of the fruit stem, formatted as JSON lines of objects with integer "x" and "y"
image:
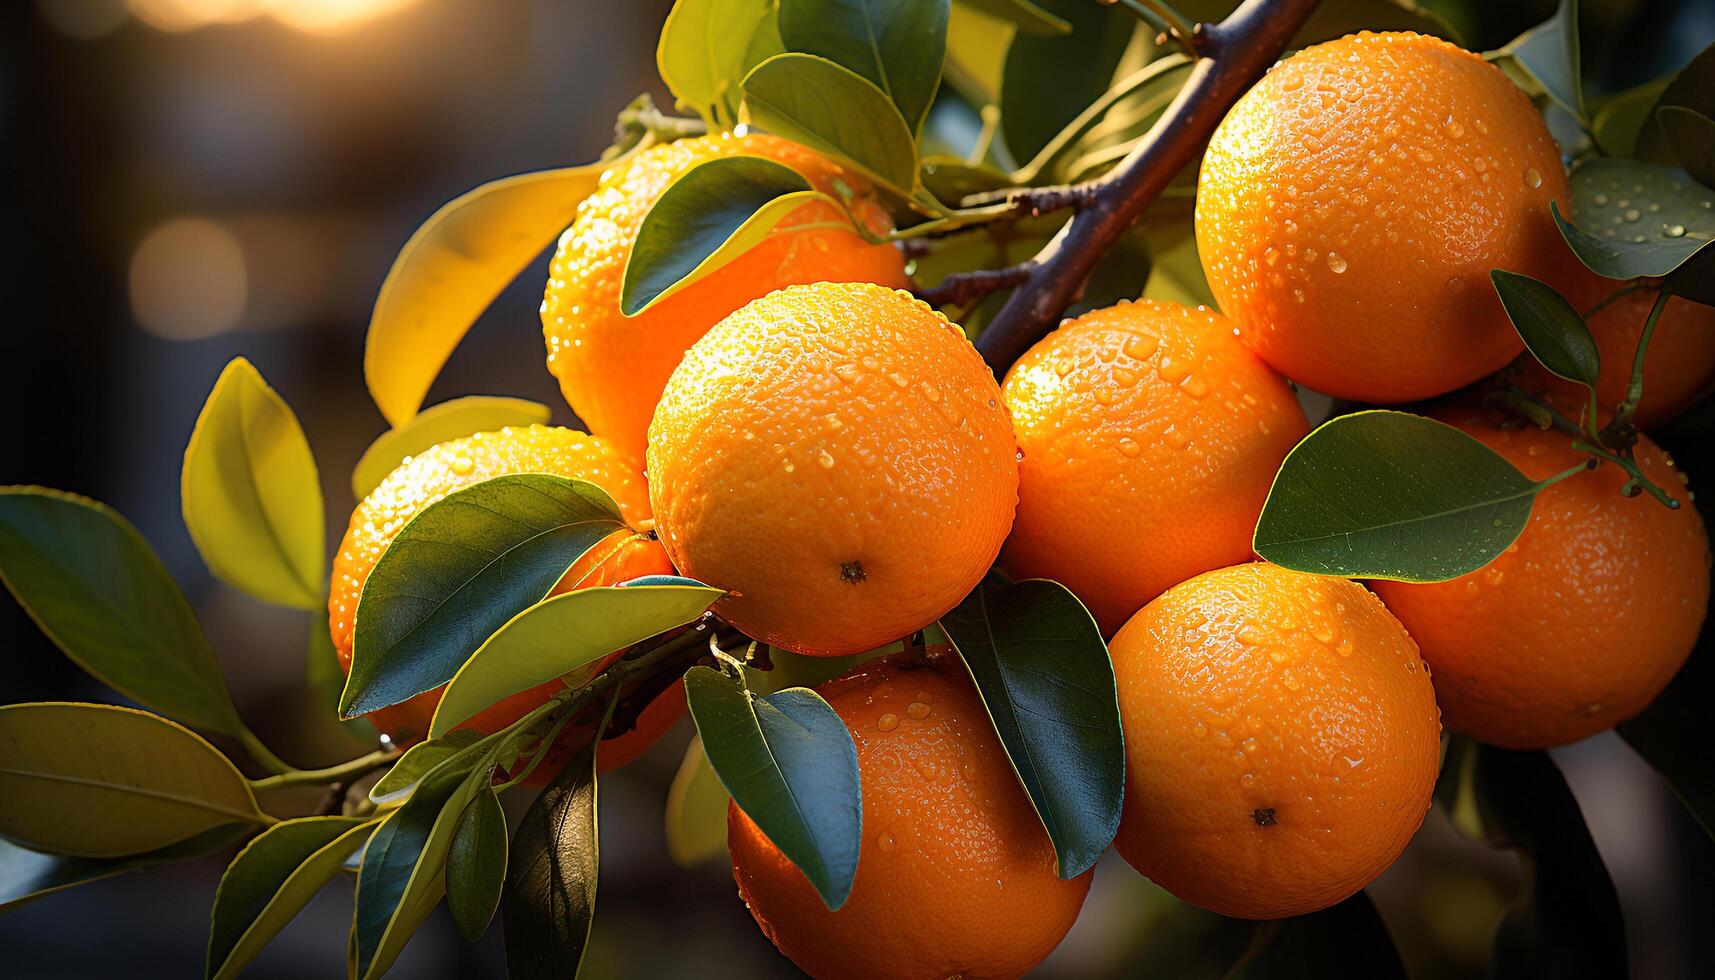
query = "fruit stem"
{"x": 345, "y": 772}
{"x": 1635, "y": 389}
{"x": 1543, "y": 416}
{"x": 1161, "y": 16}
{"x": 263, "y": 755}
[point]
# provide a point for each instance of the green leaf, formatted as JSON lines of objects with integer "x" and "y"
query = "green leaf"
{"x": 835, "y": 111}
{"x": 1549, "y": 53}
{"x": 703, "y": 54}
{"x": 1692, "y": 136}
{"x": 1047, "y": 81}
{"x": 790, "y": 764}
{"x": 1636, "y": 219}
{"x": 404, "y": 866}
{"x": 434, "y": 425}
{"x": 713, "y": 214}
{"x": 94, "y": 780}
{"x": 696, "y": 810}
{"x": 476, "y": 866}
{"x": 897, "y": 44}
{"x": 94, "y": 586}
{"x": 1671, "y": 734}
{"x": 551, "y": 876}
{"x": 458, "y": 571}
{"x": 1022, "y": 14}
{"x": 1044, "y": 675}
{"x": 420, "y": 760}
{"x": 1389, "y": 495}
{"x": 271, "y": 881}
{"x": 252, "y": 500}
{"x": 1552, "y": 330}
{"x": 1619, "y": 120}
{"x": 562, "y": 634}
{"x": 1693, "y": 87}
{"x": 27, "y": 875}
{"x": 1348, "y": 940}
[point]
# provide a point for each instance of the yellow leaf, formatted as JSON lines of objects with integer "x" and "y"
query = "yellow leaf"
{"x": 435, "y": 425}
{"x": 251, "y": 496}
{"x": 696, "y": 810}
{"x": 453, "y": 267}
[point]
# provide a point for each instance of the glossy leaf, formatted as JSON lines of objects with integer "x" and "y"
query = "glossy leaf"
{"x": 976, "y": 56}
{"x": 1047, "y": 81}
{"x": 1692, "y": 87}
{"x": 458, "y": 571}
{"x": 713, "y": 214}
{"x": 1028, "y": 17}
{"x": 704, "y": 53}
{"x": 551, "y": 876}
{"x": 453, "y": 267}
{"x": 1616, "y": 232}
{"x": 252, "y": 500}
{"x": 835, "y": 111}
{"x": 476, "y": 866}
{"x": 696, "y": 810}
{"x": 95, "y": 780}
{"x": 1671, "y": 734}
{"x": 27, "y": 875}
{"x": 790, "y": 763}
{"x": 95, "y": 587}
{"x": 1549, "y": 52}
{"x": 1553, "y": 331}
{"x": 1618, "y": 121}
{"x": 561, "y": 635}
{"x": 271, "y": 881}
{"x": 1347, "y": 940}
{"x": 420, "y": 760}
{"x": 1393, "y": 496}
{"x": 1692, "y": 136}
{"x": 434, "y": 425}
{"x": 1044, "y": 675}
{"x": 897, "y": 44}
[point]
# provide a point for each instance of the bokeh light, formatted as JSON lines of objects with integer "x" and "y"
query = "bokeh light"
{"x": 188, "y": 280}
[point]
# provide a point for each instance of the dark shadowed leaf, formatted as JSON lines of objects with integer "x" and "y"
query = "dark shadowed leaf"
{"x": 1553, "y": 331}
{"x": 897, "y": 44}
{"x": 1692, "y": 136}
{"x": 95, "y": 587}
{"x": 1692, "y": 87}
{"x": 713, "y": 214}
{"x": 703, "y": 54}
{"x": 252, "y": 500}
{"x": 790, "y": 764}
{"x": 436, "y": 424}
{"x": 458, "y": 571}
{"x": 1671, "y": 734}
{"x": 95, "y": 780}
{"x": 835, "y": 111}
{"x": 1043, "y": 672}
{"x": 1389, "y": 495}
{"x": 476, "y": 866}
{"x": 1636, "y": 219}
{"x": 1047, "y": 81}
{"x": 271, "y": 880}
{"x": 1028, "y": 17}
{"x": 27, "y": 875}
{"x": 1619, "y": 119}
{"x": 1347, "y": 940}
{"x": 549, "y": 900}
{"x": 1549, "y": 52}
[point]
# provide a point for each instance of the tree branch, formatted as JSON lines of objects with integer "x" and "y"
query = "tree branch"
{"x": 1234, "y": 53}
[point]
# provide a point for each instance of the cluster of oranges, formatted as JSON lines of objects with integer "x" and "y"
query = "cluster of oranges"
{"x": 836, "y": 456}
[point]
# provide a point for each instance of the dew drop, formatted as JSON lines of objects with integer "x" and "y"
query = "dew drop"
{"x": 1453, "y": 130}
{"x": 1336, "y": 262}
{"x": 846, "y": 372}
{"x": 826, "y": 460}
{"x": 1632, "y": 214}
{"x": 462, "y": 465}
{"x": 887, "y": 842}
{"x": 887, "y": 722}
{"x": 1141, "y": 345}
{"x": 1532, "y": 178}
{"x": 1674, "y": 231}
{"x": 1129, "y": 447}
{"x": 918, "y": 710}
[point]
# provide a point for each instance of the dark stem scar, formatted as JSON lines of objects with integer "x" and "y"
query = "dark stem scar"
{"x": 1264, "y": 816}
{"x": 852, "y": 571}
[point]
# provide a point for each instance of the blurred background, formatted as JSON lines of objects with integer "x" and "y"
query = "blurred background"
{"x": 198, "y": 179}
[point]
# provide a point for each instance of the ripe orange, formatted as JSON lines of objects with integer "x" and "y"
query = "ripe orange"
{"x": 612, "y": 368}
{"x": 1351, "y": 206}
{"x": 1679, "y": 367}
{"x": 1150, "y": 438}
{"x": 427, "y": 477}
{"x": 1281, "y": 740}
{"x": 835, "y": 456}
{"x": 955, "y": 874}
{"x": 1583, "y": 621}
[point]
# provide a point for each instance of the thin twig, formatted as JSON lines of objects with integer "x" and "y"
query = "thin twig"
{"x": 963, "y": 288}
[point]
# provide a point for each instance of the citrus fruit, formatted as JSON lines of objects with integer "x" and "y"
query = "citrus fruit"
{"x": 1583, "y": 620}
{"x": 1281, "y": 740}
{"x": 458, "y": 463}
{"x": 1678, "y": 368}
{"x": 1351, "y": 206}
{"x": 1150, "y": 438}
{"x": 955, "y": 875}
{"x": 612, "y": 368}
{"x": 836, "y": 457}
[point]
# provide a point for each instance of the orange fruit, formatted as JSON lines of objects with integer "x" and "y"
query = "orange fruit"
{"x": 1583, "y": 620}
{"x": 612, "y": 368}
{"x": 1351, "y": 206}
{"x": 1679, "y": 367}
{"x": 955, "y": 874}
{"x": 458, "y": 463}
{"x": 1150, "y": 438}
{"x": 1281, "y": 740}
{"x": 836, "y": 457}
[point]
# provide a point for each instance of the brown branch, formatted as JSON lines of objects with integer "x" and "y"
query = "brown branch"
{"x": 963, "y": 288}
{"x": 1234, "y": 53}
{"x": 1034, "y": 201}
